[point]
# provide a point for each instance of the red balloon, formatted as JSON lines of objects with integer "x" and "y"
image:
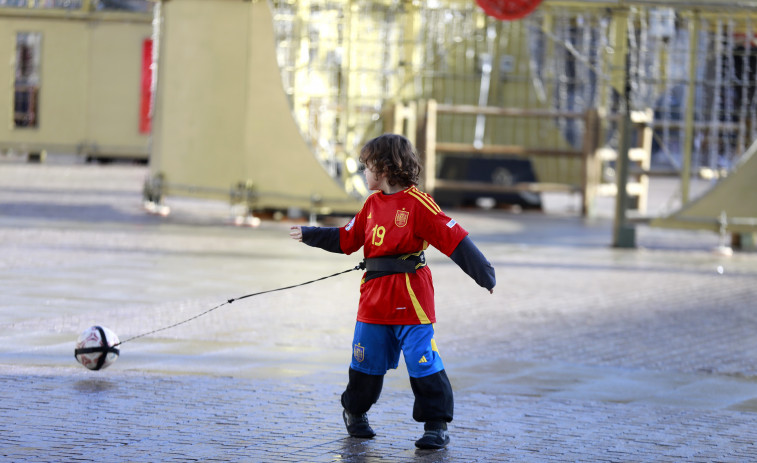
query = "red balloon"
{"x": 508, "y": 10}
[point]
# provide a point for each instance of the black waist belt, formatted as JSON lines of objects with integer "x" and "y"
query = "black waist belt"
{"x": 389, "y": 265}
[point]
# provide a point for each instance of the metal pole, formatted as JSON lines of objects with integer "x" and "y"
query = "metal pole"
{"x": 624, "y": 236}
{"x": 688, "y": 138}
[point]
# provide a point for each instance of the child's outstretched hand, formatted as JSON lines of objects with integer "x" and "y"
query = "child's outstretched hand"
{"x": 295, "y": 232}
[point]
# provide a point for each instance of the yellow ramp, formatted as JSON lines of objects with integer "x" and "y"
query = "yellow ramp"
{"x": 734, "y": 198}
{"x": 221, "y": 114}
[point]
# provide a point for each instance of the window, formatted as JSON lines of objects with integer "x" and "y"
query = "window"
{"x": 26, "y": 85}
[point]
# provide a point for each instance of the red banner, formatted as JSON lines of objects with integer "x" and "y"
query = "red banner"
{"x": 145, "y": 108}
{"x": 508, "y": 10}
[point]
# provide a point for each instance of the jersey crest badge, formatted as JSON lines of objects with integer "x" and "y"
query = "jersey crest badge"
{"x": 359, "y": 352}
{"x": 401, "y": 218}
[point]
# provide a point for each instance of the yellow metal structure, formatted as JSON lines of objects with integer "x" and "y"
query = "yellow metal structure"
{"x": 223, "y": 125}
{"x": 89, "y": 82}
{"x": 730, "y": 206}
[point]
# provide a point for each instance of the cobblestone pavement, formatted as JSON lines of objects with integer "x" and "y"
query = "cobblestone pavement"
{"x": 583, "y": 353}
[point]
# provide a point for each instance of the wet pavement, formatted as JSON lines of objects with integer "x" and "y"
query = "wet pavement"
{"x": 583, "y": 353}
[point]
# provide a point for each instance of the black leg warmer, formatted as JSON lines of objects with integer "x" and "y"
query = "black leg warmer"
{"x": 363, "y": 390}
{"x": 433, "y": 398}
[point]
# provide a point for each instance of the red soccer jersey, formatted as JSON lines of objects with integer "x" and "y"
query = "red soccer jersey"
{"x": 400, "y": 223}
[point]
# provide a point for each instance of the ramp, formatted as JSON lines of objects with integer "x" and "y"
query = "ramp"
{"x": 731, "y": 203}
{"x": 222, "y": 122}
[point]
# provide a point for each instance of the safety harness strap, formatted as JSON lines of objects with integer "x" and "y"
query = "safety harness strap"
{"x": 389, "y": 265}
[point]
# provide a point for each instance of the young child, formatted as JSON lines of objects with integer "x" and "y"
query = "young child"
{"x": 396, "y": 308}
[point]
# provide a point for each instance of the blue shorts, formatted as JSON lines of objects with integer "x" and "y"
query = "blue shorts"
{"x": 376, "y": 349}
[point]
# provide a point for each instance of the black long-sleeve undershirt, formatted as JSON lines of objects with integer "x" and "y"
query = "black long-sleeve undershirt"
{"x": 469, "y": 258}
{"x": 326, "y": 238}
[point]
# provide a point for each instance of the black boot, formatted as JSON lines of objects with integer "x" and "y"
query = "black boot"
{"x": 357, "y": 425}
{"x": 435, "y": 437}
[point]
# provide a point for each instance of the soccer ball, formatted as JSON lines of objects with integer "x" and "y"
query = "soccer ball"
{"x": 95, "y": 348}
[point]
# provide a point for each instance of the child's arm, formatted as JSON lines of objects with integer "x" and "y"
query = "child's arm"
{"x": 469, "y": 258}
{"x": 319, "y": 237}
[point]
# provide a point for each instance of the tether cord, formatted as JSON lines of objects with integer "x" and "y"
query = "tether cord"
{"x": 359, "y": 266}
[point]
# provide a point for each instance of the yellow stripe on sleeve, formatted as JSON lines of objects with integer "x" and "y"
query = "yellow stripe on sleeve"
{"x": 426, "y": 201}
{"x": 430, "y": 200}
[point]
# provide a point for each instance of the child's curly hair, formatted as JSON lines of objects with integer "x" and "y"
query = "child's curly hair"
{"x": 395, "y": 156}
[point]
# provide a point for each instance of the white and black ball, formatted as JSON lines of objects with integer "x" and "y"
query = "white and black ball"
{"x": 96, "y": 348}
